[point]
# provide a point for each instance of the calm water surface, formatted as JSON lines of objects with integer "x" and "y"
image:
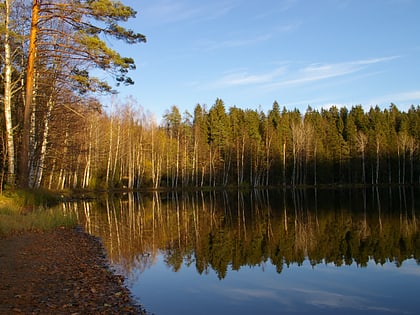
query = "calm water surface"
{"x": 264, "y": 252}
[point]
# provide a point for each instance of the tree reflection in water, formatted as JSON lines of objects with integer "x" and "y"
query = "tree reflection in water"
{"x": 221, "y": 229}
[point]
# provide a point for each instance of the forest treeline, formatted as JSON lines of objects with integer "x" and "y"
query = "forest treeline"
{"x": 55, "y": 133}
{"x": 126, "y": 148}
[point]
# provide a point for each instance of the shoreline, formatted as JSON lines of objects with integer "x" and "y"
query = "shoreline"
{"x": 65, "y": 271}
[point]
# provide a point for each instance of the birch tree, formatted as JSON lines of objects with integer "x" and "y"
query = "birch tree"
{"x": 361, "y": 141}
{"x": 8, "y": 95}
{"x": 13, "y": 17}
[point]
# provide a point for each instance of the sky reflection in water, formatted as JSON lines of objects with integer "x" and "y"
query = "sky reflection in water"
{"x": 323, "y": 289}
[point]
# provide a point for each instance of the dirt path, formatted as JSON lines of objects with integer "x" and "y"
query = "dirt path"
{"x": 59, "y": 272}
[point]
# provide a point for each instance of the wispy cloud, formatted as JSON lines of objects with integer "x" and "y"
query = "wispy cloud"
{"x": 286, "y": 28}
{"x": 281, "y": 6}
{"x": 166, "y": 12}
{"x": 324, "y": 298}
{"x": 169, "y": 11}
{"x": 412, "y": 97}
{"x": 242, "y": 77}
{"x": 288, "y": 75}
{"x": 252, "y": 293}
{"x": 232, "y": 43}
{"x": 317, "y": 72}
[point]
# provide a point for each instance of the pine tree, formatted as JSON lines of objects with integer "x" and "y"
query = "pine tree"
{"x": 80, "y": 38}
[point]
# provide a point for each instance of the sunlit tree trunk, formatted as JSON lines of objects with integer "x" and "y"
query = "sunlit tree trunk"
{"x": 29, "y": 94}
{"x": 61, "y": 174}
{"x": 87, "y": 171}
{"x": 284, "y": 163}
{"x": 211, "y": 167}
{"x": 140, "y": 161}
{"x": 117, "y": 150}
{"x": 361, "y": 140}
{"x": 194, "y": 169}
{"x": 399, "y": 163}
{"x": 309, "y": 145}
{"x": 110, "y": 148}
{"x": 412, "y": 148}
{"x": 238, "y": 166}
{"x": 226, "y": 165}
{"x": 403, "y": 141}
{"x": 377, "y": 160}
{"x": 175, "y": 182}
{"x": 8, "y": 97}
{"x": 41, "y": 161}
{"x": 315, "y": 159}
{"x": 152, "y": 157}
{"x": 61, "y": 179}
{"x": 75, "y": 181}
{"x": 130, "y": 153}
{"x": 267, "y": 157}
{"x": 32, "y": 144}
{"x": 242, "y": 159}
{"x": 297, "y": 149}
{"x": 50, "y": 179}
{"x": 156, "y": 156}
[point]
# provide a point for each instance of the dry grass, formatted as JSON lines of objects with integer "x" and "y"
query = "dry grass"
{"x": 28, "y": 211}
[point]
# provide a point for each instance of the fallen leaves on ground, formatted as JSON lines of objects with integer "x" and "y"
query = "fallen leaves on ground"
{"x": 64, "y": 271}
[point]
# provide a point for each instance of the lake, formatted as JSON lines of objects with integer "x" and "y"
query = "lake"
{"x": 323, "y": 251}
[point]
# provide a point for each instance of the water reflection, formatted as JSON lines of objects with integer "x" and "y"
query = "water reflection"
{"x": 220, "y": 230}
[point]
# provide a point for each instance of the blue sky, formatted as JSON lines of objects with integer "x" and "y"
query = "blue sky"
{"x": 297, "y": 52}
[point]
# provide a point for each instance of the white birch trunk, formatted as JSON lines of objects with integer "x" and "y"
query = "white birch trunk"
{"x": 117, "y": 150}
{"x": 130, "y": 162}
{"x": 60, "y": 177}
{"x": 377, "y": 160}
{"x": 86, "y": 176}
{"x": 41, "y": 161}
{"x": 284, "y": 163}
{"x": 194, "y": 173}
{"x": 108, "y": 164}
{"x": 177, "y": 161}
{"x": 242, "y": 160}
{"x": 8, "y": 100}
{"x": 76, "y": 172}
{"x": 51, "y": 175}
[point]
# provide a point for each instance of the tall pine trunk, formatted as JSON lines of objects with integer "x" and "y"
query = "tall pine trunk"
{"x": 29, "y": 93}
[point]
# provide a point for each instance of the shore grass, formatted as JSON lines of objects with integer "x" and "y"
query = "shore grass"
{"x": 31, "y": 211}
